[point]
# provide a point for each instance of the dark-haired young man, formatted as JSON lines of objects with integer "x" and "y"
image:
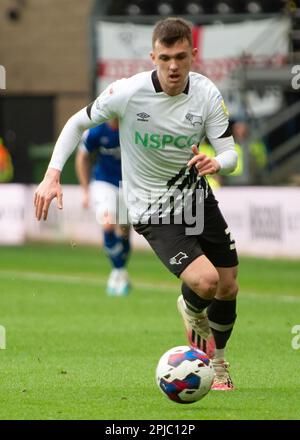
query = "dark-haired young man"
{"x": 163, "y": 114}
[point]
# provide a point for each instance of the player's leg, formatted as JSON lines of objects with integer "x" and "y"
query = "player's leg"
{"x": 105, "y": 201}
{"x": 219, "y": 247}
{"x": 200, "y": 281}
{"x": 222, "y": 310}
{"x": 123, "y": 232}
{"x": 123, "y": 285}
{"x": 222, "y": 316}
{"x": 113, "y": 246}
{"x": 183, "y": 256}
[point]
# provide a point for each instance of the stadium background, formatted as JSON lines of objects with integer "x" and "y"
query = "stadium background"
{"x": 54, "y": 54}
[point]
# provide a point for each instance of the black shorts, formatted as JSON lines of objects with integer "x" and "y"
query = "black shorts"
{"x": 177, "y": 250}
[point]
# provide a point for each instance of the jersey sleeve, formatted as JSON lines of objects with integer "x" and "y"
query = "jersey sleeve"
{"x": 111, "y": 103}
{"x": 217, "y": 119}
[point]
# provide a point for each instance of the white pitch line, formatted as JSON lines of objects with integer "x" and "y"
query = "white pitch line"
{"x": 75, "y": 279}
{"x": 96, "y": 281}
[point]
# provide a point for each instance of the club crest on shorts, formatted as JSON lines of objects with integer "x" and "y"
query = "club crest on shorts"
{"x": 178, "y": 258}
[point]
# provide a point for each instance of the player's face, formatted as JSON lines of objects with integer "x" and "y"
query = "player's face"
{"x": 173, "y": 65}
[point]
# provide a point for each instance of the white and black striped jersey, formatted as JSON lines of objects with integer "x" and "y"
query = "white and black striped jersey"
{"x": 157, "y": 132}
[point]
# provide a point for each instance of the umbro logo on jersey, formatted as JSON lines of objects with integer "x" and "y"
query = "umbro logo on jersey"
{"x": 143, "y": 117}
{"x": 178, "y": 257}
{"x": 194, "y": 119}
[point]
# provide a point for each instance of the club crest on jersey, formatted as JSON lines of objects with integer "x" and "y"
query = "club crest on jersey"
{"x": 144, "y": 117}
{"x": 178, "y": 258}
{"x": 194, "y": 119}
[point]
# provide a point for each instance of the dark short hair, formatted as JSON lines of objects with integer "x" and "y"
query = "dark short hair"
{"x": 170, "y": 30}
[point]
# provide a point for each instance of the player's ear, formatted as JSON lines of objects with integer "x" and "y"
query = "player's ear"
{"x": 152, "y": 56}
{"x": 194, "y": 53}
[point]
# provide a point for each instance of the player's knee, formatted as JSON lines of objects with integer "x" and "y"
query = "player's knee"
{"x": 124, "y": 231}
{"x": 108, "y": 227}
{"x": 228, "y": 290}
{"x": 206, "y": 285}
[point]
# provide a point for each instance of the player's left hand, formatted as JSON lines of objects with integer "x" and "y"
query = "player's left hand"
{"x": 203, "y": 163}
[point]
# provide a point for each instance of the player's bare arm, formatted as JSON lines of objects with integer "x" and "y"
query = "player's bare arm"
{"x": 68, "y": 140}
{"x": 83, "y": 170}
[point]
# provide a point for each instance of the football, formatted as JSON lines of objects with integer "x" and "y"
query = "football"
{"x": 184, "y": 374}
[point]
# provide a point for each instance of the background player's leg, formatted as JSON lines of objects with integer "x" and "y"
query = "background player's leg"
{"x": 105, "y": 201}
{"x": 123, "y": 233}
{"x": 117, "y": 249}
{"x": 124, "y": 284}
{"x": 125, "y": 237}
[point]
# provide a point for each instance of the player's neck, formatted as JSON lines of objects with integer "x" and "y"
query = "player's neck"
{"x": 172, "y": 91}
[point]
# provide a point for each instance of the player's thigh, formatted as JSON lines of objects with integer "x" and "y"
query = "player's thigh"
{"x": 175, "y": 249}
{"x": 104, "y": 198}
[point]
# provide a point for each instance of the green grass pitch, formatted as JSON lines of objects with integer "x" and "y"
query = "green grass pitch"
{"x": 74, "y": 353}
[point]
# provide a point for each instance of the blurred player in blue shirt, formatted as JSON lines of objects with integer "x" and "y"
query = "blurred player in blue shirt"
{"x": 98, "y": 167}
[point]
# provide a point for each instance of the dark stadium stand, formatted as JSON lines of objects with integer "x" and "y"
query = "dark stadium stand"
{"x": 167, "y": 7}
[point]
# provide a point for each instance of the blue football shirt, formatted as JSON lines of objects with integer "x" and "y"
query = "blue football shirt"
{"x": 104, "y": 140}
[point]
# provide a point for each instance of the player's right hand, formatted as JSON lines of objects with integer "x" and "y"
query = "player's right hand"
{"x": 47, "y": 190}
